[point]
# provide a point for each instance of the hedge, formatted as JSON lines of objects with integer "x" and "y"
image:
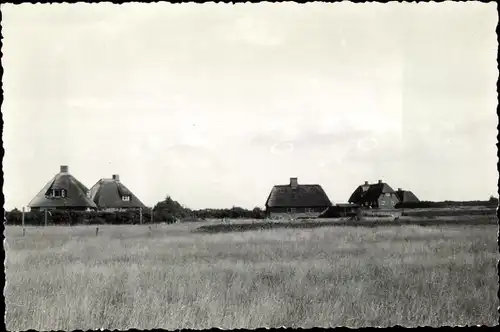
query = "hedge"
{"x": 36, "y": 218}
{"x": 117, "y": 218}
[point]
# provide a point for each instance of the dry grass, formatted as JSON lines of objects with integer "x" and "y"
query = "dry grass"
{"x": 66, "y": 278}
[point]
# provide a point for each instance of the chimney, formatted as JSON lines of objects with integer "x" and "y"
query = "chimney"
{"x": 366, "y": 183}
{"x": 293, "y": 183}
{"x": 379, "y": 181}
{"x": 116, "y": 177}
{"x": 400, "y": 189}
{"x": 64, "y": 169}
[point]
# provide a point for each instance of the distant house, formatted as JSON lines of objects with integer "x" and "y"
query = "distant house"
{"x": 341, "y": 211}
{"x": 406, "y": 196}
{"x": 62, "y": 192}
{"x": 358, "y": 195}
{"x": 113, "y": 195}
{"x": 306, "y": 200}
{"x": 377, "y": 195}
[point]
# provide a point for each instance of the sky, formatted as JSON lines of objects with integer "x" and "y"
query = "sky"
{"x": 214, "y": 104}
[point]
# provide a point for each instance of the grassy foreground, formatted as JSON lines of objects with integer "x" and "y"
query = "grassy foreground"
{"x": 66, "y": 278}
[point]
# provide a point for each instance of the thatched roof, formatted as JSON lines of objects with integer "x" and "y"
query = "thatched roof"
{"x": 108, "y": 193}
{"x": 357, "y": 195}
{"x": 377, "y": 189}
{"x": 76, "y": 193}
{"x": 297, "y": 195}
{"x": 406, "y": 196}
{"x": 370, "y": 192}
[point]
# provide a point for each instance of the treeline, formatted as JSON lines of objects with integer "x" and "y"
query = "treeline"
{"x": 492, "y": 202}
{"x": 170, "y": 210}
{"x": 166, "y": 211}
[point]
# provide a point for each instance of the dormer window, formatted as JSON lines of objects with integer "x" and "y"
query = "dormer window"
{"x": 126, "y": 198}
{"x": 57, "y": 193}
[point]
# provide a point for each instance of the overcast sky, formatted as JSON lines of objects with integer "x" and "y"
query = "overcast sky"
{"x": 214, "y": 104}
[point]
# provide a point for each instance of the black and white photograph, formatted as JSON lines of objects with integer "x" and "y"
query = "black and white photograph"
{"x": 250, "y": 165}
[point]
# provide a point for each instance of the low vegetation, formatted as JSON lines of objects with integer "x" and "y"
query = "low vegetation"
{"x": 61, "y": 217}
{"x": 449, "y": 212}
{"x": 66, "y": 278}
{"x": 243, "y": 225}
{"x": 492, "y": 203}
{"x": 167, "y": 211}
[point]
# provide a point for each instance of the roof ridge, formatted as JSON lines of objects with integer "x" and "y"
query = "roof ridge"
{"x": 298, "y": 185}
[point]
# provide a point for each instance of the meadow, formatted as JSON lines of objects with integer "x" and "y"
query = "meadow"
{"x": 172, "y": 277}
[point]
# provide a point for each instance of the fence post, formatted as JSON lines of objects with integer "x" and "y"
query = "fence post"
{"x": 96, "y": 231}
{"x": 24, "y": 231}
{"x": 140, "y": 215}
{"x": 45, "y": 217}
{"x": 152, "y": 215}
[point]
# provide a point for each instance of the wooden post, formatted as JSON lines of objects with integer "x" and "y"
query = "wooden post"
{"x": 140, "y": 215}
{"x": 152, "y": 215}
{"x": 45, "y": 217}
{"x": 96, "y": 231}
{"x": 24, "y": 230}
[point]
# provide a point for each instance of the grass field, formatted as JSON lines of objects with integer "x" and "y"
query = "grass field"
{"x": 66, "y": 278}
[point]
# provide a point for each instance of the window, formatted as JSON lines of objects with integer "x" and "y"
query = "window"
{"x": 308, "y": 210}
{"x": 387, "y": 194}
{"x": 126, "y": 198}
{"x": 291, "y": 210}
{"x": 57, "y": 193}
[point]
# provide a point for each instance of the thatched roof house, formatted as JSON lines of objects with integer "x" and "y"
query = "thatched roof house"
{"x": 406, "y": 196}
{"x": 63, "y": 191}
{"x": 112, "y": 194}
{"x": 297, "y": 199}
{"x": 376, "y": 195}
